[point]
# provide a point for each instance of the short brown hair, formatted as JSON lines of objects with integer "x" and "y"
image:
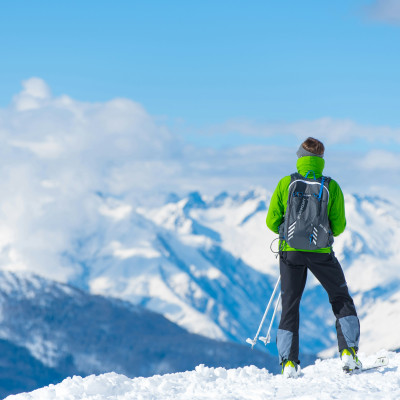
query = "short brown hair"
{"x": 314, "y": 146}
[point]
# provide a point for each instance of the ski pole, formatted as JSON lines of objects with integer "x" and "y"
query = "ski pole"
{"x": 267, "y": 338}
{"x": 254, "y": 341}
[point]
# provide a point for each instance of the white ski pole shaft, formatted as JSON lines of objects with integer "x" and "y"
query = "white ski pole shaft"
{"x": 254, "y": 341}
{"x": 267, "y": 338}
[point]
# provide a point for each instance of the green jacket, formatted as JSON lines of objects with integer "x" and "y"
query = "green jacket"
{"x": 277, "y": 207}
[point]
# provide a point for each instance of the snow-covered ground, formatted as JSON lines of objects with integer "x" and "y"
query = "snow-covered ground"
{"x": 322, "y": 381}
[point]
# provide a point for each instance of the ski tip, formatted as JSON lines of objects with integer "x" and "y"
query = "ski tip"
{"x": 382, "y": 361}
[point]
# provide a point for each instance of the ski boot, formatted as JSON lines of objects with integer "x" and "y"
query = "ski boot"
{"x": 350, "y": 361}
{"x": 290, "y": 369}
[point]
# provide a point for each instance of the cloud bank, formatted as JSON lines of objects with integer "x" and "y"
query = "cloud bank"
{"x": 58, "y": 156}
{"x": 61, "y": 157}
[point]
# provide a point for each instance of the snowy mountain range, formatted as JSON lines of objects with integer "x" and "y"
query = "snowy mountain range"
{"x": 170, "y": 262}
{"x": 50, "y": 331}
{"x": 206, "y": 264}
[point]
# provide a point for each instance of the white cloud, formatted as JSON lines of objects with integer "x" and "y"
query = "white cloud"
{"x": 35, "y": 93}
{"x": 326, "y": 129}
{"x": 379, "y": 160}
{"x": 385, "y": 11}
{"x": 48, "y": 148}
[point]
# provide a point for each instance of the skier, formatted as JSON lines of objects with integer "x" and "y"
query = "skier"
{"x": 303, "y": 201}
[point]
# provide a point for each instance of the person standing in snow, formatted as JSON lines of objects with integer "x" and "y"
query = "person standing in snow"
{"x": 298, "y": 199}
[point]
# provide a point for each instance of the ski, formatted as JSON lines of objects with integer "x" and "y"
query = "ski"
{"x": 379, "y": 362}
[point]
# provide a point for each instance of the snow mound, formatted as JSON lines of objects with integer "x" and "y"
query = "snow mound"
{"x": 324, "y": 380}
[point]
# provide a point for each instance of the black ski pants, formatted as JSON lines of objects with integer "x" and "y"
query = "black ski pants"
{"x": 326, "y": 268}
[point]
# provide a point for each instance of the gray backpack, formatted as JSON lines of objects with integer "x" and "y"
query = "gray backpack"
{"x": 306, "y": 225}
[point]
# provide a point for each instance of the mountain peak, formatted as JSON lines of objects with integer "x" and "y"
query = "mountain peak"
{"x": 195, "y": 200}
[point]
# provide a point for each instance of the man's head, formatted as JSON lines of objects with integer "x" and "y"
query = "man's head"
{"x": 311, "y": 147}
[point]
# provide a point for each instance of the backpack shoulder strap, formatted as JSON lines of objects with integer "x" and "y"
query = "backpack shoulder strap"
{"x": 326, "y": 178}
{"x": 295, "y": 176}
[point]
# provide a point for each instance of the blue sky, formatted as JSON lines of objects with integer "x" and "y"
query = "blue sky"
{"x": 196, "y": 65}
